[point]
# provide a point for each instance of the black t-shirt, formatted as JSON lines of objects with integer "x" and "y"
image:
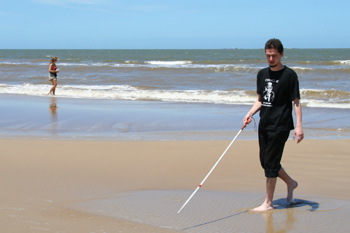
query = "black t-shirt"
{"x": 277, "y": 89}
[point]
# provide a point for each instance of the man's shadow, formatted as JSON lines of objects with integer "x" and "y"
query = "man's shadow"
{"x": 278, "y": 205}
{"x": 282, "y": 204}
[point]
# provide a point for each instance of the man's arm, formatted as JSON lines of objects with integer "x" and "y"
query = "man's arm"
{"x": 256, "y": 107}
{"x": 299, "y": 127}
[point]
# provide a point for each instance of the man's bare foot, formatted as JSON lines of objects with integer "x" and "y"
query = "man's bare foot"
{"x": 263, "y": 207}
{"x": 290, "y": 190}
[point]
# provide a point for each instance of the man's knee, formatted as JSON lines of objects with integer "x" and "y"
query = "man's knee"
{"x": 272, "y": 172}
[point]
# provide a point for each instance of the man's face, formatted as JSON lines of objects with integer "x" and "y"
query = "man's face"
{"x": 273, "y": 57}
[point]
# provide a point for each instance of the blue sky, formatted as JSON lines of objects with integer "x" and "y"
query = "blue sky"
{"x": 172, "y": 24}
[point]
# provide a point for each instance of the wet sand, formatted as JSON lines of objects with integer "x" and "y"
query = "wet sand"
{"x": 90, "y": 119}
{"x": 109, "y": 186}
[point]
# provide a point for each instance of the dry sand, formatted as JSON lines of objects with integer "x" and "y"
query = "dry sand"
{"x": 44, "y": 185}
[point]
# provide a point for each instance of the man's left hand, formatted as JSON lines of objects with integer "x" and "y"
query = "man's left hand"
{"x": 299, "y": 133}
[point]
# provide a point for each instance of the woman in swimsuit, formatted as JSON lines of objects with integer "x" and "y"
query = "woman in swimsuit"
{"x": 53, "y": 75}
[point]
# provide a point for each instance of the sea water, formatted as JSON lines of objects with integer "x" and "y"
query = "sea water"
{"x": 175, "y": 90}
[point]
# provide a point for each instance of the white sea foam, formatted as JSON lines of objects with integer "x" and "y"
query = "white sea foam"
{"x": 310, "y": 97}
{"x": 301, "y": 68}
{"x": 131, "y": 62}
{"x": 247, "y": 67}
{"x": 126, "y": 92}
{"x": 322, "y": 104}
{"x": 168, "y": 63}
{"x": 305, "y": 91}
{"x": 230, "y": 67}
{"x": 320, "y": 98}
{"x": 171, "y": 65}
{"x": 96, "y": 64}
{"x": 343, "y": 62}
{"x": 147, "y": 64}
{"x": 13, "y": 63}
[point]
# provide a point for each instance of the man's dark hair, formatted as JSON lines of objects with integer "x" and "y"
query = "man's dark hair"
{"x": 274, "y": 44}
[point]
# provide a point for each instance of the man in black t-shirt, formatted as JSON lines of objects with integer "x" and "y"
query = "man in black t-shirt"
{"x": 278, "y": 91}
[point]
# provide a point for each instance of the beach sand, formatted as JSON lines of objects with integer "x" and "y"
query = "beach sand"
{"x": 110, "y": 186}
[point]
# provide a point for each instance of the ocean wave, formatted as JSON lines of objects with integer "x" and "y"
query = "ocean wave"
{"x": 343, "y": 62}
{"x": 332, "y": 94}
{"x": 334, "y": 64}
{"x": 338, "y": 66}
{"x": 155, "y": 65}
{"x": 310, "y": 97}
{"x": 296, "y": 68}
{"x": 168, "y": 63}
{"x": 146, "y": 65}
{"x": 96, "y": 64}
{"x": 323, "y": 104}
{"x": 325, "y": 98}
{"x": 126, "y": 92}
{"x": 131, "y": 62}
{"x": 214, "y": 68}
{"x": 230, "y": 67}
{"x": 15, "y": 63}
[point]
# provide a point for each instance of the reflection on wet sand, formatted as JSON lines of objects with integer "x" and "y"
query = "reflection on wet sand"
{"x": 282, "y": 219}
{"x": 53, "y": 110}
{"x": 281, "y": 227}
{"x": 285, "y": 220}
{"x": 214, "y": 211}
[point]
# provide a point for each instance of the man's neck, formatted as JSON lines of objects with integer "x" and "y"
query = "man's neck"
{"x": 278, "y": 67}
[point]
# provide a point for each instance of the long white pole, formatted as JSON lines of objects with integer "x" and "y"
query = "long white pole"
{"x": 200, "y": 185}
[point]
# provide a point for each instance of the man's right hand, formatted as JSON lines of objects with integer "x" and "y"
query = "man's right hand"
{"x": 247, "y": 119}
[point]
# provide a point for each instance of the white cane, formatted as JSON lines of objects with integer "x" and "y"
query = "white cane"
{"x": 200, "y": 185}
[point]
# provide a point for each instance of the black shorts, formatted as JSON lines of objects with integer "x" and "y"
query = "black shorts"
{"x": 271, "y": 144}
{"x": 52, "y": 76}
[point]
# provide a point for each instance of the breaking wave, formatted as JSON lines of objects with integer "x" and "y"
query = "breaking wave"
{"x": 310, "y": 97}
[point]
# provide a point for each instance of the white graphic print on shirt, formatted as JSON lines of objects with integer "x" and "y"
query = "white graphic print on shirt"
{"x": 269, "y": 95}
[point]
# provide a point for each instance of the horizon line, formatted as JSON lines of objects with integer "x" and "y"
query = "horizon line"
{"x": 154, "y": 48}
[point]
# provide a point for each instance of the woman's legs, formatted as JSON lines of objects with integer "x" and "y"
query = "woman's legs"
{"x": 53, "y": 88}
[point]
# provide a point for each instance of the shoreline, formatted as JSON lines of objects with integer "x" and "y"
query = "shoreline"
{"x": 76, "y": 119}
{"x": 45, "y": 179}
